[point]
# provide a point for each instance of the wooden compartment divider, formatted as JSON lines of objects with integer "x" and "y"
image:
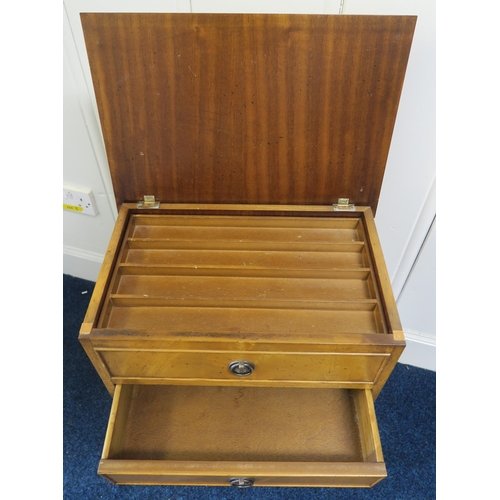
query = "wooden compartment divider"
{"x": 197, "y": 270}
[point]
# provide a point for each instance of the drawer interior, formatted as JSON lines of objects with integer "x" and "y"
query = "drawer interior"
{"x": 237, "y": 274}
{"x": 224, "y": 426}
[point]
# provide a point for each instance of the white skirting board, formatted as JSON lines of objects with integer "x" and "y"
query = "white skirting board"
{"x": 81, "y": 264}
{"x": 420, "y": 350}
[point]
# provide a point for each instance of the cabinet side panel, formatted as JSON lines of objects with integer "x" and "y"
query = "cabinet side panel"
{"x": 387, "y": 295}
{"x": 105, "y": 272}
{"x": 387, "y": 299}
{"x": 98, "y": 298}
{"x": 98, "y": 363}
{"x": 368, "y": 428}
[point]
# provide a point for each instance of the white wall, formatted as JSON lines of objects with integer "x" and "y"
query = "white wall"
{"x": 407, "y": 203}
{"x": 417, "y": 307}
{"x": 85, "y": 237}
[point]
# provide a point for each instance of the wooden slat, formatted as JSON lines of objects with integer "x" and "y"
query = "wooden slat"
{"x": 256, "y": 221}
{"x": 211, "y": 348}
{"x": 270, "y": 246}
{"x": 337, "y": 481}
{"x": 314, "y": 341}
{"x": 243, "y": 271}
{"x": 141, "y": 301}
{"x": 345, "y": 383}
{"x": 244, "y": 288}
{"x": 238, "y": 321}
{"x": 245, "y": 234}
{"x": 246, "y": 210}
{"x": 374, "y": 343}
{"x": 247, "y": 259}
{"x": 117, "y": 424}
{"x": 368, "y": 428}
{"x": 309, "y": 470}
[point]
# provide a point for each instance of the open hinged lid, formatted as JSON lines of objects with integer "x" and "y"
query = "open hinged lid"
{"x": 258, "y": 109}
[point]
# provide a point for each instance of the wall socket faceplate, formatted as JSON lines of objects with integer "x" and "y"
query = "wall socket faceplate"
{"x": 79, "y": 201}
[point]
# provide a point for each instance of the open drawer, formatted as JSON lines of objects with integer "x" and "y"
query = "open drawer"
{"x": 242, "y": 436}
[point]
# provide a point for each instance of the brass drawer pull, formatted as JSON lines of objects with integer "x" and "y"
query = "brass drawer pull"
{"x": 241, "y": 368}
{"x": 241, "y": 482}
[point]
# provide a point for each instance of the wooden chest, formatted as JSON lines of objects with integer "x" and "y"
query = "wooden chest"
{"x": 243, "y": 320}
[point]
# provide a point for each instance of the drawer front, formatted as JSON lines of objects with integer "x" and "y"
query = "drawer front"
{"x": 242, "y": 437}
{"x": 130, "y": 365}
{"x": 336, "y": 475}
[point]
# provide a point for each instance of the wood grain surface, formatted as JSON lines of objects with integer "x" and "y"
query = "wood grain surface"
{"x": 199, "y": 435}
{"x": 235, "y": 423}
{"x": 228, "y": 108}
{"x": 247, "y": 128}
{"x": 274, "y": 368}
{"x": 300, "y": 297}
{"x": 265, "y": 285}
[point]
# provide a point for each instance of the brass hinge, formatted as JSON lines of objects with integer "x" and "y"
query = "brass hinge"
{"x": 149, "y": 201}
{"x": 344, "y": 205}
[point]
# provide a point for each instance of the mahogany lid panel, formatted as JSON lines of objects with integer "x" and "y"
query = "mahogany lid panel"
{"x": 252, "y": 108}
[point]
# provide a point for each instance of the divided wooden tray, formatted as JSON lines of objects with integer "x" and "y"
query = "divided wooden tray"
{"x": 247, "y": 275}
{"x": 306, "y": 299}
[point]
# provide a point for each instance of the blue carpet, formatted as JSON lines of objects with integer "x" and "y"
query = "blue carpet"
{"x": 406, "y": 412}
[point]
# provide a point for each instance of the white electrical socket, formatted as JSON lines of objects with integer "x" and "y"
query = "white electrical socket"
{"x": 79, "y": 201}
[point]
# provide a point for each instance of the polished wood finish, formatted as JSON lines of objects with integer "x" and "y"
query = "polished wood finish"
{"x": 305, "y": 474}
{"x": 218, "y": 432}
{"x": 247, "y": 128}
{"x": 97, "y": 299}
{"x": 386, "y": 295}
{"x": 265, "y": 286}
{"x": 297, "y": 296}
{"x": 216, "y": 267}
{"x": 227, "y": 108}
{"x": 106, "y": 270}
{"x": 273, "y": 368}
{"x": 367, "y": 421}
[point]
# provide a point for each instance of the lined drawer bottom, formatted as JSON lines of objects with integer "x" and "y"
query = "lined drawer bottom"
{"x": 262, "y": 436}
